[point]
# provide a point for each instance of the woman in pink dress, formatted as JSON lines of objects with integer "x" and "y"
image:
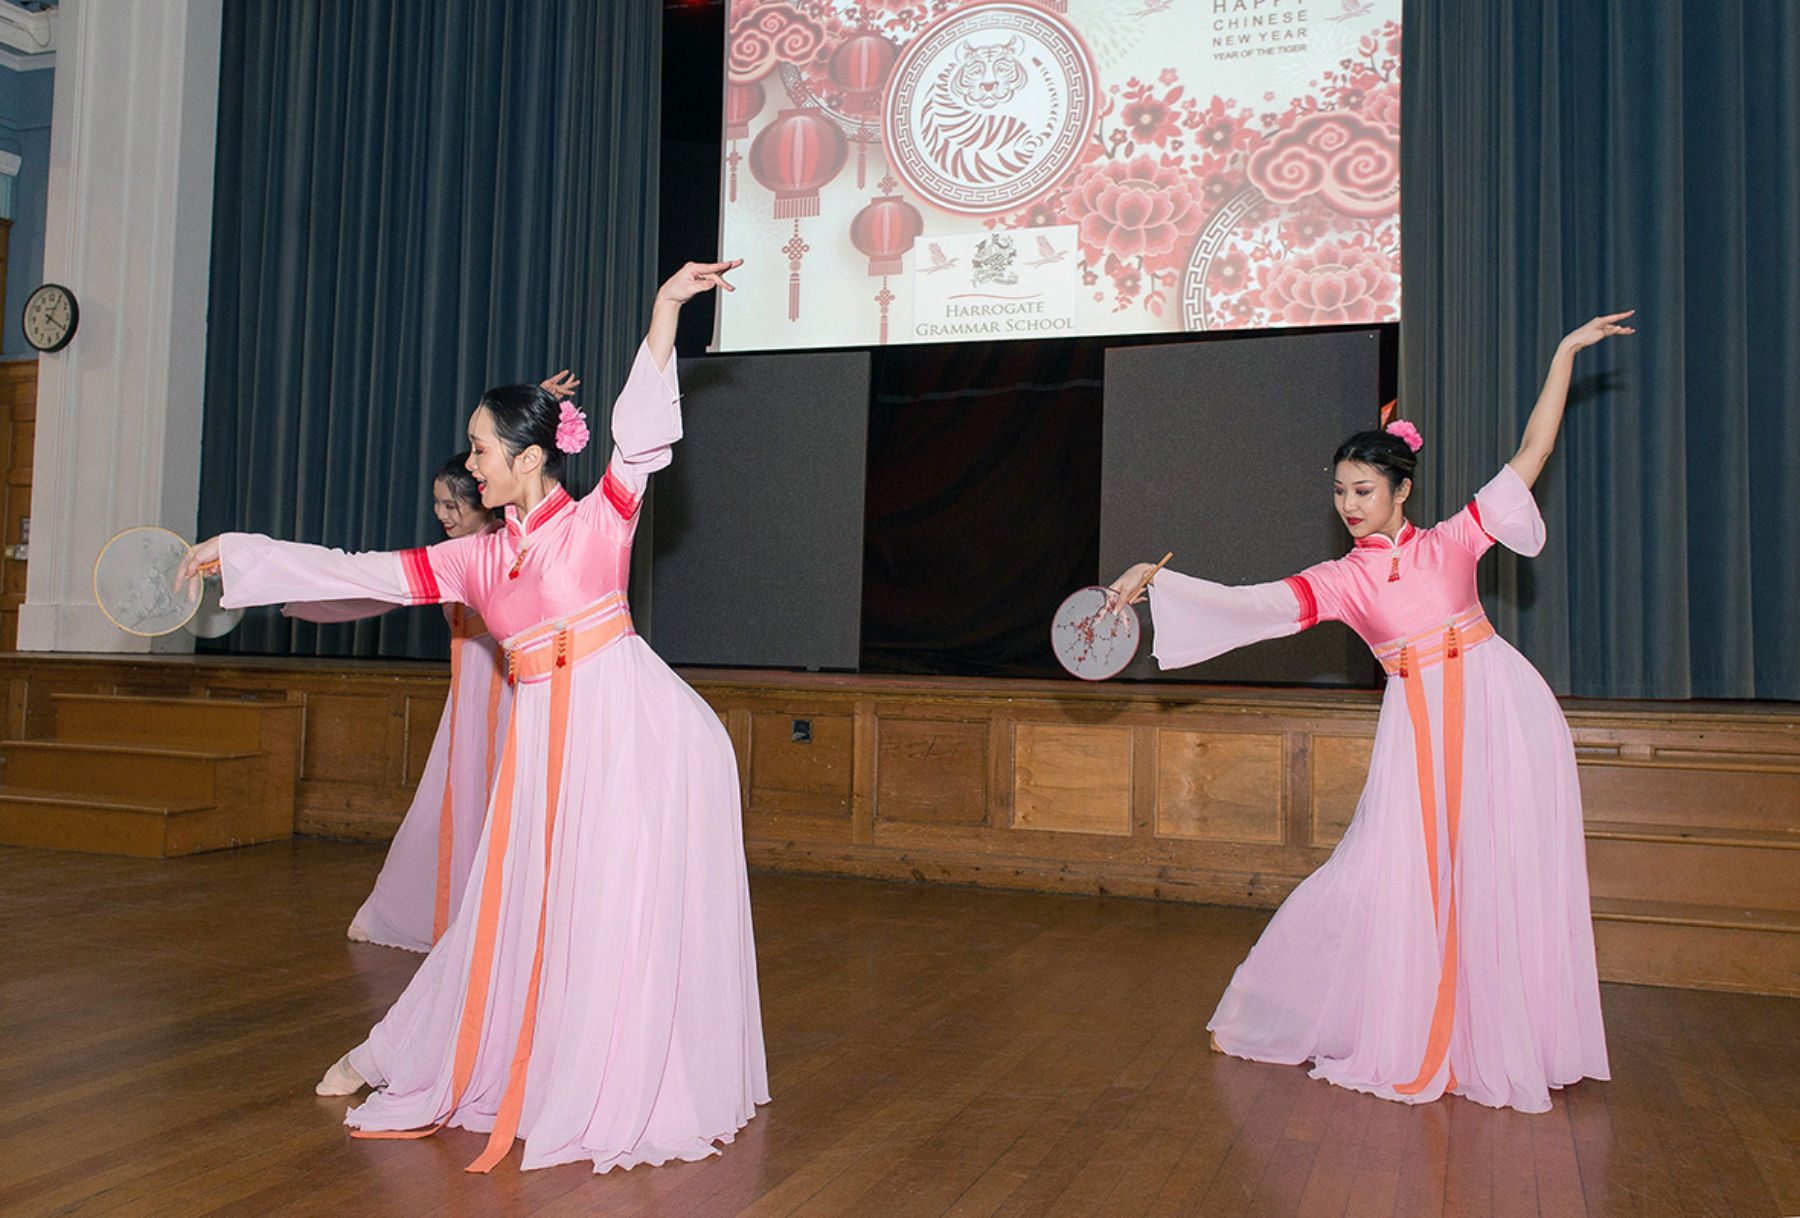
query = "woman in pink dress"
{"x": 1446, "y": 945}
{"x": 427, "y": 866}
{"x": 595, "y": 991}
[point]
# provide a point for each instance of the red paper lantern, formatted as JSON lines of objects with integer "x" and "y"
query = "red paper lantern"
{"x": 794, "y": 156}
{"x": 742, "y": 103}
{"x": 884, "y": 231}
{"x": 862, "y": 62}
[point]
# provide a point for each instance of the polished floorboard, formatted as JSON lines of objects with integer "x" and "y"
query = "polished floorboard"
{"x": 932, "y": 1051}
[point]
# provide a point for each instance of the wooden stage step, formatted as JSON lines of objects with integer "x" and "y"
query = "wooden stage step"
{"x": 125, "y": 769}
{"x": 227, "y": 723}
{"x": 154, "y": 777}
{"x": 166, "y": 828}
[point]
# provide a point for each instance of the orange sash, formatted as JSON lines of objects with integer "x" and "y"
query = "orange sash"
{"x": 1407, "y": 658}
{"x": 549, "y": 651}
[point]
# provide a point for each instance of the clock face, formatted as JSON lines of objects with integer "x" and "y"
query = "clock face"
{"x": 50, "y": 317}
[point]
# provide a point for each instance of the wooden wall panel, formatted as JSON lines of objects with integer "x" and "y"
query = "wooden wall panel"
{"x": 1765, "y": 792}
{"x": 422, "y": 718}
{"x": 18, "y": 442}
{"x": 812, "y": 778}
{"x": 1340, "y": 767}
{"x": 1219, "y": 786}
{"x": 1161, "y": 791}
{"x": 1072, "y": 779}
{"x": 931, "y": 770}
{"x": 339, "y": 730}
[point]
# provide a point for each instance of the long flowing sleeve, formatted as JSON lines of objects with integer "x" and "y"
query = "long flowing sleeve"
{"x": 1503, "y": 511}
{"x": 646, "y": 423}
{"x": 335, "y": 611}
{"x": 1196, "y": 619}
{"x": 259, "y": 570}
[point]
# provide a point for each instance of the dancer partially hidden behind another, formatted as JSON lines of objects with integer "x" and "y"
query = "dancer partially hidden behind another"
{"x": 595, "y": 992}
{"x": 427, "y": 865}
{"x": 1446, "y": 944}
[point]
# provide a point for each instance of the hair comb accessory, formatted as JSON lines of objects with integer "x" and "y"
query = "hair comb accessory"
{"x": 571, "y": 429}
{"x": 1401, "y": 430}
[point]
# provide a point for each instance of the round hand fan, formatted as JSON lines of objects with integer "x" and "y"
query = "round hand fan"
{"x": 1090, "y": 640}
{"x": 138, "y": 584}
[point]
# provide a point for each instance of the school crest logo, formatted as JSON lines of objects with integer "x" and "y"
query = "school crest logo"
{"x": 993, "y": 261}
{"x": 989, "y": 107}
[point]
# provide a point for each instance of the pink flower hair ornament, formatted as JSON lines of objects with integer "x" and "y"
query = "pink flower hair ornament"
{"x": 1405, "y": 432}
{"x": 571, "y": 430}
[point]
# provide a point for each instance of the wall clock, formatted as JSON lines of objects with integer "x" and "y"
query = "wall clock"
{"x": 50, "y": 317}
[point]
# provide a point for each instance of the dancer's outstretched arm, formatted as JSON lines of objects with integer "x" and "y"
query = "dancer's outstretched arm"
{"x": 691, "y": 280}
{"x": 1546, "y": 416}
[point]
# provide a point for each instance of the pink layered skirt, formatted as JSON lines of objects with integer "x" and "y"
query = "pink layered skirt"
{"x": 647, "y": 1041}
{"x": 1348, "y": 974}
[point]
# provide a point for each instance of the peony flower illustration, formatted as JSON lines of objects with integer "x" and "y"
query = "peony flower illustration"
{"x": 1221, "y": 130}
{"x": 1133, "y": 209}
{"x": 1382, "y": 105}
{"x": 1228, "y": 273}
{"x": 1337, "y": 282}
{"x": 1304, "y": 226}
{"x": 1149, "y": 121}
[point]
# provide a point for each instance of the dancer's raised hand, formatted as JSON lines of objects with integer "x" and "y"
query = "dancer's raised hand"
{"x": 691, "y": 280}
{"x": 1604, "y": 326}
{"x": 561, "y": 386}
{"x": 1546, "y": 416}
{"x": 694, "y": 278}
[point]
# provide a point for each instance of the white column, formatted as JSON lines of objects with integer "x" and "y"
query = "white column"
{"x": 129, "y": 230}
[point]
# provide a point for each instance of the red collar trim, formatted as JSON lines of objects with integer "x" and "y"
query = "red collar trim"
{"x": 552, "y": 506}
{"x": 1377, "y": 541}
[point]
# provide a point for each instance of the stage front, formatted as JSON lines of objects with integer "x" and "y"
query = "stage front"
{"x": 1218, "y": 795}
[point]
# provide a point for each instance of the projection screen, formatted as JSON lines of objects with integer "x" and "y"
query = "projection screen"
{"x": 898, "y": 171}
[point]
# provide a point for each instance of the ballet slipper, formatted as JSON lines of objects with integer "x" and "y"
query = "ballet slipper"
{"x": 341, "y": 1079}
{"x": 356, "y": 934}
{"x": 1214, "y": 1042}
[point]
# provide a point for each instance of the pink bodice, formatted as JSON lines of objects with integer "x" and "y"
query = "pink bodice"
{"x": 1383, "y": 589}
{"x": 564, "y": 555}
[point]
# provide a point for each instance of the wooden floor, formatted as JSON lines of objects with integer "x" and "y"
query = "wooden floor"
{"x": 932, "y": 1051}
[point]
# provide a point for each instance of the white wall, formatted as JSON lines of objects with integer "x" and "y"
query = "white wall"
{"x": 129, "y": 229}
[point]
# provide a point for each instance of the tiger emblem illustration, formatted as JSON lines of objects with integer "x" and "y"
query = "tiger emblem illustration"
{"x": 989, "y": 106}
{"x": 966, "y": 128}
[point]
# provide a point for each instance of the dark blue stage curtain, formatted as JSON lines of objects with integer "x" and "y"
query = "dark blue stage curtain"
{"x": 413, "y": 202}
{"x": 1569, "y": 158}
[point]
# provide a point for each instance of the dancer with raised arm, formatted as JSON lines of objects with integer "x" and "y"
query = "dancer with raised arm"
{"x": 427, "y": 864}
{"x": 1446, "y": 945}
{"x": 595, "y": 992}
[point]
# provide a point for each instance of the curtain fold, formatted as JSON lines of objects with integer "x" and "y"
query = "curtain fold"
{"x": 413, "y": 202}
{"x": 1567, "y": 159}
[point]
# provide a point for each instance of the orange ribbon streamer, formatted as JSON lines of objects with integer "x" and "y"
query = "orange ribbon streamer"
{"x": 1412, "y": 658}
{"x": 550, "y": 650}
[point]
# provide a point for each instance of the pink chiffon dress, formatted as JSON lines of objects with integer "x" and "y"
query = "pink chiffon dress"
{"x": 427, "y": 864}
{"x": 595, "y": 990}
{"x": 1446, "y": 945}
